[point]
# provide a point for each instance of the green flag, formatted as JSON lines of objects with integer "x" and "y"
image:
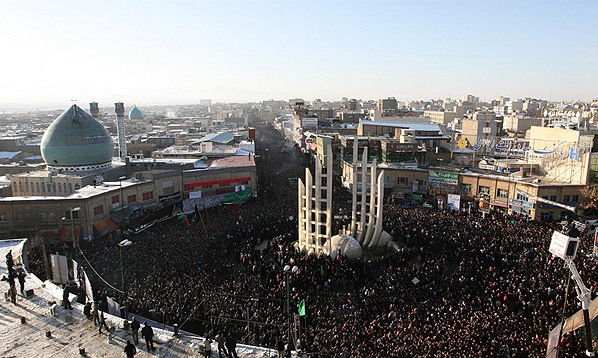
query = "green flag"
{"x": 302, "y": 308}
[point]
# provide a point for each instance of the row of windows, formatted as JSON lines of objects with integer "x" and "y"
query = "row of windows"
{"x": 187, "y": 187}
{"x": 98, "y": 210}
{"x": 43, "y": 216}
{"x": 45, "y": 187}
{"x": 504, "y": 194}
{"x": 403, "y": 181}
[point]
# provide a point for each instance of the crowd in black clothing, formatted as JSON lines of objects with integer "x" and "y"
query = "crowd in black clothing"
{"x": 458, "y": 286}
{"x": 487, "y": 286}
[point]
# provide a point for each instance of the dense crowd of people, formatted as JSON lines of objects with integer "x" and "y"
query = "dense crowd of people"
{"x": 457, "y": 284}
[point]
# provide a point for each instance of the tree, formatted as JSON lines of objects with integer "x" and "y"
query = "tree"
{"x": 589, "y": 200}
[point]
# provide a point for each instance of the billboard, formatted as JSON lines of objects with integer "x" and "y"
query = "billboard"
{"x": 399, "y": 147}
{"x": 454, "y": 202}
{"x": 309, "y": 122}
{"x": 60, "y": 270}
{"x": 563, "y": 246}
{"x": 445, "y": 178}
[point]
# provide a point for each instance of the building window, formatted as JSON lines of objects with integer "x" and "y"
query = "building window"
{"x": 148, "y": 195}
{"x": 546, "y": 215}
{"x": 575, "y": 198}
{"x": 502, "y": 193}
{"x": 47, "y": 216}
{"x": 466, "y": 189}
{"x": 402, "y": 181}
{"x": 386, "y": 179}
{"x": 98, "y": 210}
{"x": 2, "y": 217}
{"x": 67, "y": 214}
{"x": 21, "y": 217}
{"x": 484, "y": 190}
{"x": 115, "y": 199}
{"x": 553, "y": 198}
{"x": 131, "y": 199}
{"x": 522, "y": 197}
{"x": 421, "y": 183}
{"x": 567, "y": 198}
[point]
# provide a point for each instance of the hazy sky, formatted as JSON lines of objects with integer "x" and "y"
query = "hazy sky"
{"x": 161, "y": 52}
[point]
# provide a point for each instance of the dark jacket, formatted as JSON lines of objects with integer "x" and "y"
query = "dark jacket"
{"x": 135, "y": 325}
{"x": 147, "y": 332}
{"x": 87, "y": 310}
{"x": 130, "y": 349}
{"x": 65, "y": 292}
{"x": 231, "y": 341}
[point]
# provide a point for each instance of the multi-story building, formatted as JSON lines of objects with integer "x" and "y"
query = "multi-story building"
{"x": 480, "y": 131}
{"x": 82, "y": 187}
{"x": 520, "y": 123}
{"x": 441, "y": 117}
{"x": 388, "y": 104}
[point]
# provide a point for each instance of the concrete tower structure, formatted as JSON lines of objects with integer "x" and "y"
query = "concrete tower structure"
{"x": 315, "y": 206}
{"x": 315, "y": 203}
{"x": 367, "y": 202}
{"x": 119, "y": 108}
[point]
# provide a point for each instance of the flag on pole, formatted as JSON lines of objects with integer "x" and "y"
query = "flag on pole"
{"x": 302, "y": 308}
{"x": 207, "y": 219}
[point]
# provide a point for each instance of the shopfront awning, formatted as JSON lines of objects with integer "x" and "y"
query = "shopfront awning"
{"x": 66, "y": 234}
{"x": 105, "y": 227}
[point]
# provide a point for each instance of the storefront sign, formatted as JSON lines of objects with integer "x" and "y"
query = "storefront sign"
{"x": 173, "y": 196}
{"x": 443, "y": 178}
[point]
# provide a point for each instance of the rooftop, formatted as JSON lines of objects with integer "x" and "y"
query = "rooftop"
{"x": 70, "y": 331}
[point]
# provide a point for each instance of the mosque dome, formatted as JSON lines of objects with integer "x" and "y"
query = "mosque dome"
{"x": 135, "y": 113}
{"x": 76, "y": 141}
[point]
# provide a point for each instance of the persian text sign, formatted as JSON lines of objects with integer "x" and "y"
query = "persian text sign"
{"x": 435, "y": 177}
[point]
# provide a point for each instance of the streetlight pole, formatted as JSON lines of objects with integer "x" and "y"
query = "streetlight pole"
{"x": 182, "y": 182}
{"x": 73, "y": 236}
{"x": 73, "y": 225}
{"x": 289, "y": 270}
{"x": 122, "y": 244}
{"x": 122, "y": 203}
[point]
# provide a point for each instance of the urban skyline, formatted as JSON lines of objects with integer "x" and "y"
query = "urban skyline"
{"x": 178, "y": 53}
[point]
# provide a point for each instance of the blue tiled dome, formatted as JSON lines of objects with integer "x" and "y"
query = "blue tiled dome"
{"x": 135, "y": 113}
{"x": 76, "y": 140}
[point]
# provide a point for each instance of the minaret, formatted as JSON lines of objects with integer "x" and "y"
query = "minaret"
{"x": 119, "y": 108}
{"x": 94, "y": 109}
